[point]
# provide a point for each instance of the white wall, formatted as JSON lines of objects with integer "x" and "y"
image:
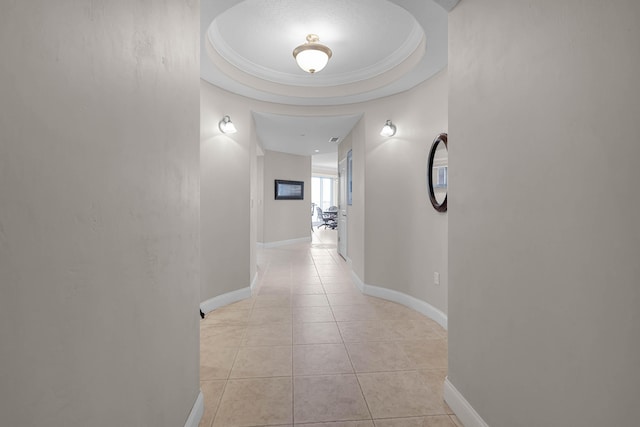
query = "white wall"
{"x": 405, "y": 237}
{"x": 286, "y": 219}
{"x": 99, "y": 196}
{"x": 544, "y": 313}
{"x": 225, "y": 168}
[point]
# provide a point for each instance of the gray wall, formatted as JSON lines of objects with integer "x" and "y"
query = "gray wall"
{"x": 544, "y": 238}
{"x": 286, "y": 219}
{"x": 99, "y": 196}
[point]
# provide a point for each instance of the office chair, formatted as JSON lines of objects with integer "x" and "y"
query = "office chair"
{"x": 328, "y": 220}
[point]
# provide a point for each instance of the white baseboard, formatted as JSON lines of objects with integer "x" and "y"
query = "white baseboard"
{"x": 196, "y": 412}
{"x": 463, "y": 410}
{"x": 284, "y": 242}
{"x": 359, "y": 283}
{"x": 225, "y": 299}
{"x": 402, "y": 298}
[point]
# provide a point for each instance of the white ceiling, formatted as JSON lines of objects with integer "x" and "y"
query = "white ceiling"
{"x": 380, "y": 47}
{"x": 302, "y": 135}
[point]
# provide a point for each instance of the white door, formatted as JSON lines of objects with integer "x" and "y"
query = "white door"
{"x": 342, "y": 209}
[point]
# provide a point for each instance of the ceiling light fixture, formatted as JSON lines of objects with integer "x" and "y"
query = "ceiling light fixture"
{"x": 389, "y": 129}
{"x": 226, "y": 125}
{"x": 312, "y": 56}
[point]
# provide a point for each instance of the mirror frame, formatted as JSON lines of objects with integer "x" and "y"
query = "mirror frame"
{"x": 440, "y": 207}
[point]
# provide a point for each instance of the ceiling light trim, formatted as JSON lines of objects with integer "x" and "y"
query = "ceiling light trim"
{"x": 253, "y": 87}
{"x": 411, "y": 46}
{"x": 431, "y": 16}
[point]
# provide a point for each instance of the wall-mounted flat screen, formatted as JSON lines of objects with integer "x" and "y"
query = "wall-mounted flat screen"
{"x": 289, "y": 190}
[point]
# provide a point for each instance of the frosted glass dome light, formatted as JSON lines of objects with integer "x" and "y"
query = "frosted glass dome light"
{"x": 312, "y": 56}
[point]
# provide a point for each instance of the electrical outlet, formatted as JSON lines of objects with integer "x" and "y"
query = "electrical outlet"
{"x": 436, "y": 278}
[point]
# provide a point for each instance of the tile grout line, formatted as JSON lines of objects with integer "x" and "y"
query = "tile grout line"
{"x": 346, "y": 349}
{"x": 235, "y": 357}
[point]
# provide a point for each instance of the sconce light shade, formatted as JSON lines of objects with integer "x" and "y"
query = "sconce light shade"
{"x": 226, "y": 125}
{"x": 312, "y": 56}
{"x": 389, "y": 129}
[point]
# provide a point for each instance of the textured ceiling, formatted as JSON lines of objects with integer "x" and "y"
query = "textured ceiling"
{"x": 380, "y": 47}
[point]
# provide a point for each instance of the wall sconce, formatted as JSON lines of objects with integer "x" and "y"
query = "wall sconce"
{"x": 389, "y": 129}
{"x": 226, "y": 125}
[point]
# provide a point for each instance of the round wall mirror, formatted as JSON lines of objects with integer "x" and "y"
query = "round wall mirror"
{"x": 437, "y": 173}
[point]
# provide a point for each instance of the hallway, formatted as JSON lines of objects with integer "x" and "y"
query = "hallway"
{"x": 309, "y": 348}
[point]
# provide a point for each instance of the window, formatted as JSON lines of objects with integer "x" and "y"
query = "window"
{"x": 323, "y": 191}
{"x": 440, "y": 173}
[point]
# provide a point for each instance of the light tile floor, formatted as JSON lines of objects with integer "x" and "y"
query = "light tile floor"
{"x": 308, "y": 349}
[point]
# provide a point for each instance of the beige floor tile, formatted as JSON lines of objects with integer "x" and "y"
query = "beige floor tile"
{"x": 270, "y": 361}
{"x": 342, "y": 279}
{"x": 339, "y": 287}
{"x": 435, "y": 326}
{"x": 399, "y": 394}
{"x": 308, "y": 290}
{"x": 399, "y": 354}
{"x": 334, "y": 275}
{"x": 316, "y": 359}
{"x": 277, "y": 273}
{"x": 277, "y": 269}
{"x": 345, "y": 313}
{"x": 438, "y": 421}
{"x": 254, "y": 402}
{"x": 456, "y": 421}
{"x": 274, "y": 291}
{"x": 221, "y": 336}
{"x": 310, "y": 301}
{"x": 426, "y": 354}
{"x": 306, "y": 281}
{"x": 270, "y": 334}
{"x": 222, "y": 317}
{"x": 429, "y": 421}
{"x": 364, "y": 423}
{"x": 264, "y": 301}
{"x": 321, "y": 262}
{"x": 434, "y": 379}
{"x": 363, "y": 331}
{"x": 377, "y": 357}
{"x": 413, "y": 329}
{"x": 400, "y": 422}
{"x": 211, "y": 392}
{"x": 216, "y": 362}
{"x": 352, "y": 298}
{"x": 392, "y": 311}
{"x": 280, "y": 277}
{"x": 328, "y": 398}
{"x": 261, "y": 316}
{"x": 312, "y": 314}
{"x": 244, "y": 304}
{"x": 307, "y": 271}
{"x": 316, "y": 333}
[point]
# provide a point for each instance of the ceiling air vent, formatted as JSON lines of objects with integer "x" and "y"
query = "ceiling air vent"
{"x": 334, "y": 139}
